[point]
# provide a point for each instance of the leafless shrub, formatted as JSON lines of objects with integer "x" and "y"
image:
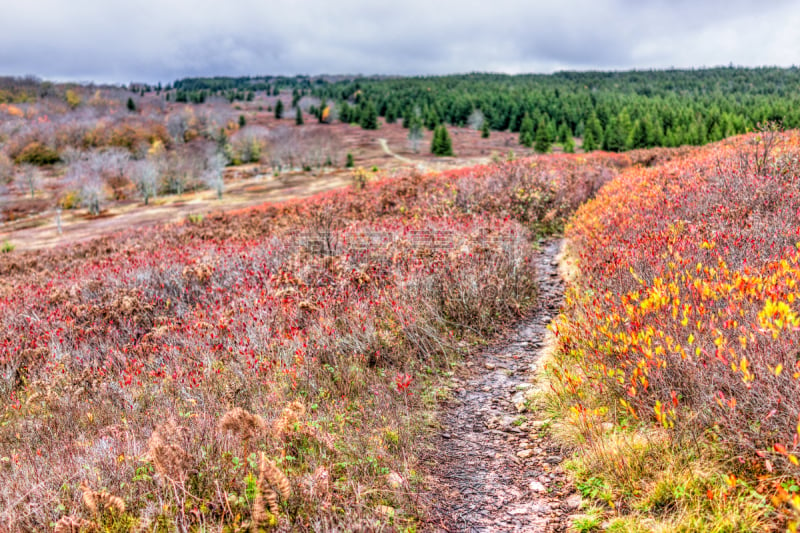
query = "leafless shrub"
{"x": 213, "y": 175}
{"x": 248, "y": 144}
{"x": 178, "y": 123}
{"x": 144, "y": 175}
{"x": 86, "y": 175}
{"x": 29, "y": 179}
{"x": 476, "y": 119}
{"x": 6, "y": 169}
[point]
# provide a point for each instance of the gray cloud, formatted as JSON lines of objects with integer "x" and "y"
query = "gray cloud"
{"x": 150, "y": 40}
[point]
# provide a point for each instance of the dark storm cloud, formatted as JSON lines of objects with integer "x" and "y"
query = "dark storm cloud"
{"x": 163, "y": 40}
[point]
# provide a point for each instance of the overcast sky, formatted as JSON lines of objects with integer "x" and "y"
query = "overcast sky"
{"x": 162, "y": 40}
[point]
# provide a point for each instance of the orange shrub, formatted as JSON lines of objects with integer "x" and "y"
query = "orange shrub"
{"x": 36, "y": 153}
{"x": 686, "y": 311}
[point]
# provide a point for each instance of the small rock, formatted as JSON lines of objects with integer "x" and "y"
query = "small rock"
{"x": 518, "y": 510}
{"x": 573, "y": 501}
{"x": 524, "y": 454}
{"x": 554, "y": 459}
{"x": 394, "y": 480}
{"x": 386, "y": 510}
{"x": 540, "y": 508}
{"x": 445, "y": 435}
{"x": 535, "y": 486}
{"x": 490, "y": 366}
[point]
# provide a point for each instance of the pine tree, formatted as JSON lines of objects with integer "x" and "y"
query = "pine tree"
{"x": 542, "y": 145}
{"x": 617, "y": 132}
{"x": 441, "y": 145}
{"x": 350, "y": 162}
{"x": 485, "y": 132}
{"x": 131, "y": 105}
{"x": 369, "y": 117}
{"x": 391, "y": 114}
{"x": 564, "y": 133}
{"x": 298, "y": 117}
{"x": 279, "y": 110}
{"x": 242, "y": 121}
{"x": 552, "y": 132}
{"x": 345, "y": 113}
{"x": 569, "y": 145}
{"x": 526, "y": 132}
{"x": 638, "y": 137}
{"x": 432, "y": 119}
{"x": 593, "y": 125}
{"x": 589, "y": 142}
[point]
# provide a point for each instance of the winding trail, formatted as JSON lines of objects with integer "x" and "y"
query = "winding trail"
{"x": 385, "y": 146}
{"x": 495, "y": 468}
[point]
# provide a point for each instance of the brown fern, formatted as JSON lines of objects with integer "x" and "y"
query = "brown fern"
{"x": 265, "y": 505}
{"x": 73, "y": 524}
{"x": 166, "y": 450}
{"x": 97, "y": 502}
{"x": 275, "y": 477}
{"x": 243, "y": 424}
{"x": 291, "y": 415}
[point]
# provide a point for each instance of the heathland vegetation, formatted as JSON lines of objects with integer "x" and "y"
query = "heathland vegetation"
{"x": 282, "y": 366}
{"x": 274, "y": 367}
{"x": 677, "y": 369}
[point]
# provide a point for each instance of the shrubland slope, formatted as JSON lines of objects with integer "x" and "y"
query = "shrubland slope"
{"x": 275, "y": 367}
{"x": 677, "y": 367}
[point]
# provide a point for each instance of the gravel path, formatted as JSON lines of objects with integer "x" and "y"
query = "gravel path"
{"x": 495, "y": 467}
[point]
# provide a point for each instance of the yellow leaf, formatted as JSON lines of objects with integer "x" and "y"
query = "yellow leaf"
{"x": 778, "y": 370}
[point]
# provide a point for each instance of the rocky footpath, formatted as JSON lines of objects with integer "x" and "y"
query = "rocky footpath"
{"x": 495, "y": 467}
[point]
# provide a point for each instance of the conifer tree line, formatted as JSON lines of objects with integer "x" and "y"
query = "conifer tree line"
{"x": 613, "y": 111}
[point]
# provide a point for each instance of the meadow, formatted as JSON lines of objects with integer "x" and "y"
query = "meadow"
{"x": 273, "y": 367}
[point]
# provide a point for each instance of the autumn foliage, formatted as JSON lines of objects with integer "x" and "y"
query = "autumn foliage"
{"x": 184, "y": 364}
{"x": 684, "y": 312}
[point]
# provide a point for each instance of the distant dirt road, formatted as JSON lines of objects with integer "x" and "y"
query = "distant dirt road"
{"x": 41, "y": 231}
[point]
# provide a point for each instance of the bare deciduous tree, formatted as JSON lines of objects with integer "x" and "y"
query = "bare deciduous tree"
{"x": 6, "y": 169}
{"x": 248, "y": 143}
{"x": 29, "y": 179}
{"x": 476, "y": 119}
{"x": 213, "y": 175}
{"x": 145, "y": 175}
{"x": 178, "y": 124}
{"x": 86, "y": 176}
{"x": 313, "y": 147}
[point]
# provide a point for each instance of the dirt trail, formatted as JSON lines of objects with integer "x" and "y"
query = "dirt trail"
{"x": 239, "y": 194}
{"x": 496, "y": 468}
{"x": 385, "y": 146}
